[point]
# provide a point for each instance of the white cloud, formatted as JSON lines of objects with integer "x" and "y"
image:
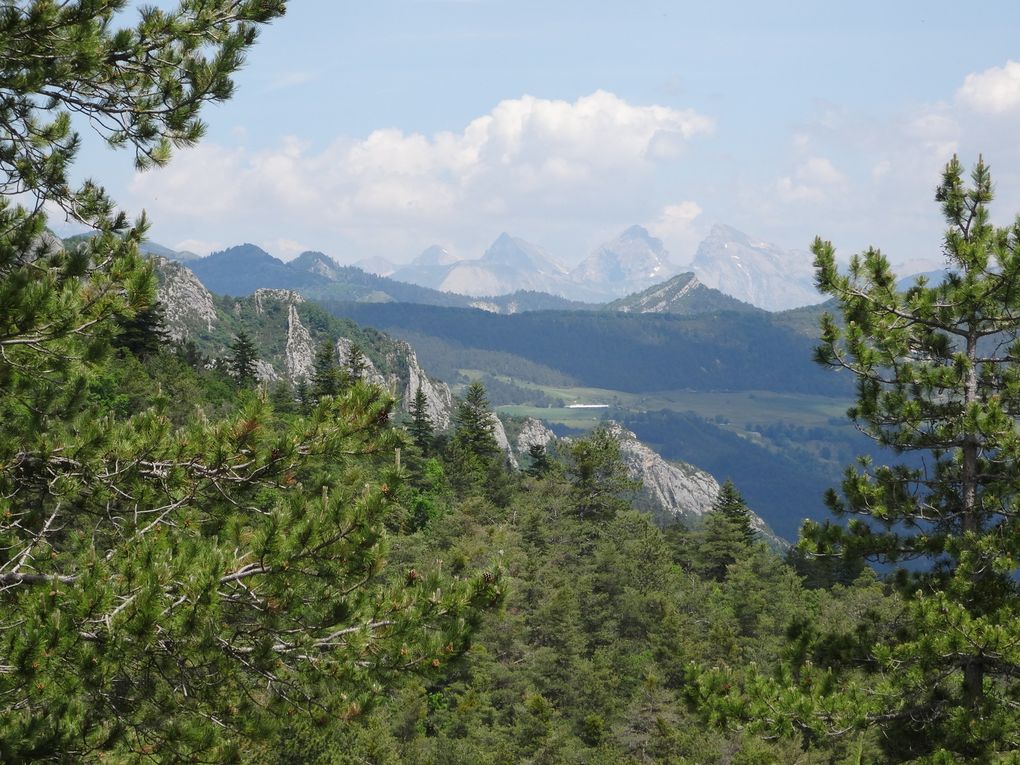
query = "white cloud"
{"x": 675, "y": 225}
{"x": 526, "y": 160}
{"x": 993, "y": 91}
{"x": 815, "y": 179}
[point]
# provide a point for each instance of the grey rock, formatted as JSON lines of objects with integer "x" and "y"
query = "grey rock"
{"x": 438, "y": 397}
{"x": 533, "y": 433}
{"x": 189, "y": 305}
{"x": 299, "y": 354}
{"x": 504, "y": 443}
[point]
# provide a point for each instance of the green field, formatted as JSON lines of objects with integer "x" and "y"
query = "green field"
{"x": 734, "y": 410}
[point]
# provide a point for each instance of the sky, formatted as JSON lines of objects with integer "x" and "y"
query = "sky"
{"x": 376, "y": 129}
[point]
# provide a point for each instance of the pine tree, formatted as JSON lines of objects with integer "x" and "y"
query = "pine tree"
{"x": 421, "y": 427}
{"x": 168, "y": 592}
{"x": 473, "y": 424}
{"x": 356, "y": 362}
{"x": 938, "y": 381}
{"x": 727, "y": 536}
{"x": 326, "y": 373}
{"x": 243, "y": 358}
{"x": 143, "y": 334}
{"x": 598, "y": 476}
{"x": 476, "y": 463}
{"x": 540, "y": 463}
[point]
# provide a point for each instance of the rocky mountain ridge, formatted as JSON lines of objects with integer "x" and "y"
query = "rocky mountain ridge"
{"x": 279, "y": 321}
{"x": 683, "y": 295}
{"x": 287, "y": 328}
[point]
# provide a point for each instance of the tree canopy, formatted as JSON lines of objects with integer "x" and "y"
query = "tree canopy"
{"x": 171, "y": 587}
{"x": 939, "y": 384}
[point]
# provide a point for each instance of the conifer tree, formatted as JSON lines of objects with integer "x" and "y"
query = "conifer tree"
{"x": 143, "y": 334}
{"x": 540, "y": 462}
{"x": 326, "y": 374}
{"x": 938, "y": 380}
{"x": 421, "y": 427}
{"x": 243, "y": 358}
{"x": 356, "y": 363}
{"x": 168, "y": 592}
{"x": 727, "y": 535}
{"x": 473, "y": 426}
{"x": 598, "y": 476}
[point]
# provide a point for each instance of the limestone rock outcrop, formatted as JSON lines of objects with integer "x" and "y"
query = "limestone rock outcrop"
{"x": 189, "y": 305}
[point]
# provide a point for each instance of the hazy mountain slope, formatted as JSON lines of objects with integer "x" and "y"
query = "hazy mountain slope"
{"x": 682, "y": 295}
{"x": 758, "y": 273}
{"x": 631, "y": 262}
{"x": 242, "y": 269}
{"x": 629, "y": 352}
{"x": 807, "y": 319}
{"x": 783, "y": 488}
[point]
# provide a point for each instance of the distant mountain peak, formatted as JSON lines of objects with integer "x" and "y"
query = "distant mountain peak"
{"x": 724, "y": 231}
{"x": 514, "y": 252}
{"x": 316, "y": 262}
{"x": 682, "y": 295}
{"x": 435, "y": 255}
{"x": 754, "y": 271}
{"x": 632, "y": 261}
{"x": 639, "y": 232}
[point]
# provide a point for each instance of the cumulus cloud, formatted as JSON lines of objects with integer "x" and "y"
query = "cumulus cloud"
{"x": 525, "y": 159}
{"x": 993, "y": 91}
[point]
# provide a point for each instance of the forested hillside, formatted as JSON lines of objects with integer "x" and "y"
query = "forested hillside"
{"x": 221, "y": 541}
{"x": 640, "y": 352}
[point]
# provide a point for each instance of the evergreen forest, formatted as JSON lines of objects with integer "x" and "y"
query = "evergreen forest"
{"x": 197, "y": 565}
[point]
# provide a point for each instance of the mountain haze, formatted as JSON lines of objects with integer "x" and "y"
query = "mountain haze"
{"x": 758, "y": 273}
{"x": 629, "y": 263}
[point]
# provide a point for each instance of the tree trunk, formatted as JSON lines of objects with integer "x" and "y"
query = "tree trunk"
{"x": 974, "y": 669}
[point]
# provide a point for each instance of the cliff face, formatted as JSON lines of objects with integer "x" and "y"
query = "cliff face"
{"x": 438, "y": 397}
{"x": 286, "y": 344}
{"x": 189, "y": 305}
{"x": 299, "y": 353}
{"x": 533, "y": 433}
{"x": 675, "y": 490}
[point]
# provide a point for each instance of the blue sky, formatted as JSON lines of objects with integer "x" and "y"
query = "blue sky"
{"x": 379, "y": 128}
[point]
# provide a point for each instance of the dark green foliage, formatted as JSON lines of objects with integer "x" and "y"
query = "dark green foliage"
{"x": 587, "y": 662}
{"x": 936, "y": 669}
{"x": 243, "y": 358}
{"x": 356, "y": 364}
{"x": 727, "y": 536}
{"x": 326, "y": 374}
{"x": 421, "y": 427}
{"x": 143, "y": 334}
{"x": 539, "y": 464}
{"x": 628, "y": 352}
{"x": 473, "y": 424}
{"x": 183, "y": 570}
{"x": 597, "y": 476}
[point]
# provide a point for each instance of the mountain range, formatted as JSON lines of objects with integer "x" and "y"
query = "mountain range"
{"x": 755, "y": 272}
{"x": 287, "y": 329}
{"x": 514, "y": 275}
